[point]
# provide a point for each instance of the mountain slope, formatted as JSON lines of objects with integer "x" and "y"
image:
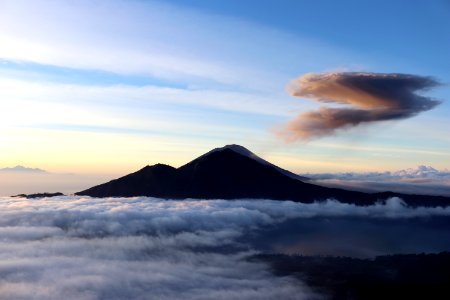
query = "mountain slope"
{"x": 245, "y": 152}
{"x": 231, "y": 173}
{"x": 158, "y": 181}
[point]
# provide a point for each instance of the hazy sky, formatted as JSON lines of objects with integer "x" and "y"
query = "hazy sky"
{"x": 107, "y": 87}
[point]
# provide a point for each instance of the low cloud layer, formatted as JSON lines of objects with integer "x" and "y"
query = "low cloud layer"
{"x": 372, "y": 97}
{"x": 140, "y": 248}
{"x": 424, "y": 180}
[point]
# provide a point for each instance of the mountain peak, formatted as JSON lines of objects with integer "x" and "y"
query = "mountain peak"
{"x": 236, "y": 148}
{"x": 419, "y": 171}
{"x": 247, "y": 153}
{"x": 233, "y": 172}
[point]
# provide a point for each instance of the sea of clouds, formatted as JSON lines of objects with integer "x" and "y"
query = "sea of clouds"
{"x": 149, "y": 248}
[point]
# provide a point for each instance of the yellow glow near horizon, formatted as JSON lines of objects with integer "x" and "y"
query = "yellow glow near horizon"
{"x": 89, "y": 152}
{"x": 119, "y": 154}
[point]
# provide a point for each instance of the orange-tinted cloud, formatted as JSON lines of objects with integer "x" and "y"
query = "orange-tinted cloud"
{"x": 373, "y": 97}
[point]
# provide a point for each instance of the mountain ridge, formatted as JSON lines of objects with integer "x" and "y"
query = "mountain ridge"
{"x": 231, "y": 173}
{"x": 244, "y": 151}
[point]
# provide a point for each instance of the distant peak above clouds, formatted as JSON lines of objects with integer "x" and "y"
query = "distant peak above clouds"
{"x": 20, "y": 168}
{"x": 419, "y": 180}
{"x": 418, "y": 172}
{"x": 422, "y": 171}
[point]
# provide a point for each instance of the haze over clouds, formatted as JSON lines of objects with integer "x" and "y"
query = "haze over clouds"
{"x": 26, "y": 182}
{"x": 21, "y": 169}
{"x": 122, "y": 248}
{"x": 373, "y": 97}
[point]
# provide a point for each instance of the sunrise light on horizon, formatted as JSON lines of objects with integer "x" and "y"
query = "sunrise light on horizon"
{"x": 107, "y": 87}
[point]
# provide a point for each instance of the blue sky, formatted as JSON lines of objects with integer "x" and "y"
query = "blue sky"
{"x": 110, "y": 86}
{"x": 405, "y": 33}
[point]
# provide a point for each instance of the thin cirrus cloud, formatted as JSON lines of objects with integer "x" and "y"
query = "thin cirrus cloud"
{"x": 99, "y": 42}
{"x": 145, "y": 38}
{"x": 372, "y": 97}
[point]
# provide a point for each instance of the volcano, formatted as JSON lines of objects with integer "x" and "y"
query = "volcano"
{"x": 234, "y": 172}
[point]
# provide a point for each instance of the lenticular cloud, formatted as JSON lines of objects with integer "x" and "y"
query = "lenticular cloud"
{"x": 369, "y": 98}
{"x": 148, "y": 248}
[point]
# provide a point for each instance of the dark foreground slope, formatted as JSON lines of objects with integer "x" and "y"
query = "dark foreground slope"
{"x": 230, "y": 173}
{"x": 412, "y": 276}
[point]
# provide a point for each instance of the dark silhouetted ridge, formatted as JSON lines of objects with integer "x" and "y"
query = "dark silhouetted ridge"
{"x": 233, "y": 172}
{"x": 38, "y": 195}
{"x": 158, "y": 181}
{"x": 245, "y": 152}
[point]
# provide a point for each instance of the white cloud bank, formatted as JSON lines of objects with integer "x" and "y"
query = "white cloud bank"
{"x": 148, "y": 248}
{"x": 420, "y": 180}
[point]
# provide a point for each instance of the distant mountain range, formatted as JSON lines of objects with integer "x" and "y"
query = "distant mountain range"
{"x": 234, "y": 172}
{"x": 406, "y": 175}
{"x": 22, "y": 169}
{"x": 423, "y": 180}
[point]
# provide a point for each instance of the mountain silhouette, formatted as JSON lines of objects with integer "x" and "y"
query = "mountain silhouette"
{"x": 245, "y": 152}
{"x": 233, "y": 172}
{"x": 22, "y": 169}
